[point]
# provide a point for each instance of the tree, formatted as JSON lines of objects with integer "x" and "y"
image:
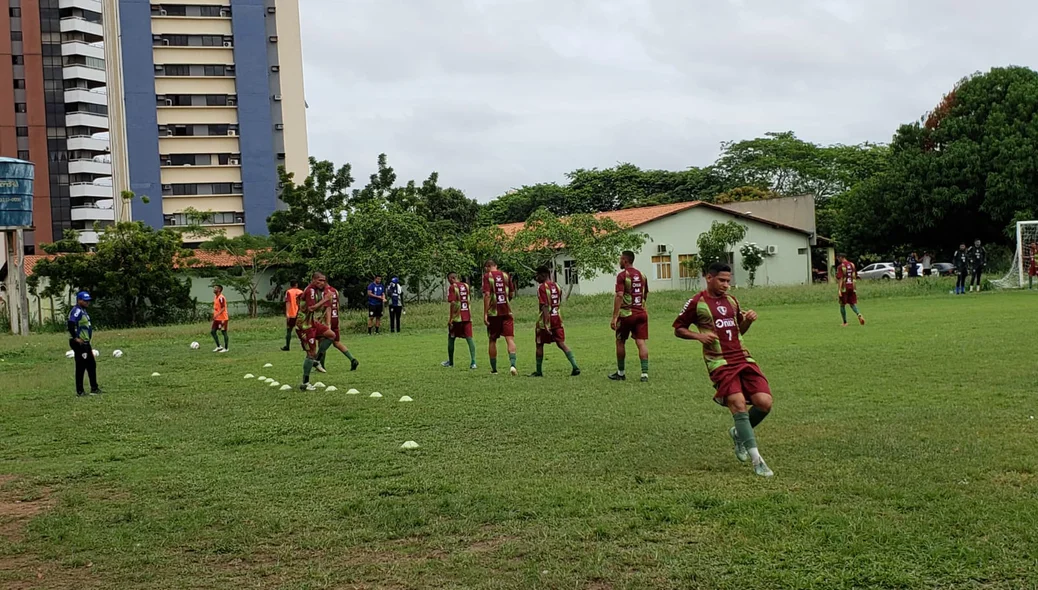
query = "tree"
{"x": 249, "y": 256}
{"x": 752, "y": 257}
{"x": 744, "y": 193}
{"x": 715, "y": 244}
{"x": 964, "y": 171}
{"x": 131, "y": 276}
{"x": 692, "y": 267}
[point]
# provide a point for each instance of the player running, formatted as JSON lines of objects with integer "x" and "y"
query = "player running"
{"x": 459, "y": 324}
{"x": 308, "y": 327}
{"x": 331, "y": 319}
{"x": 630, "y": 317}
{"x": 549, "y": 321}
{"x": 220, "y": 318}
{"x": 846, "y": 277}
{"x": 720, "y": 324}
{"x": 291, "y": 311}
{"x": 497, "y": 313}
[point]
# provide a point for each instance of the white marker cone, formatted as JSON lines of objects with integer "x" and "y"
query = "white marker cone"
{"x": 267, "y": 366}
{"x": 319, "y": 384}
{"x": 286, "y": 387}
{"x": 262, "y": 378}
{"x": 274, "y": 384}
{"x": 409, "y": 445}
{"x": 249, "y": 376}
{"x": 352, "y": 392}
{"x": 406, "y": 398}
{"x": 376, "y": 394}
{"x": 155, "y": 375}
{"x": 332, "y": 388}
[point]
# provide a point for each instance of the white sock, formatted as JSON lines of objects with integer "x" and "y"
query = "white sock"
{"x": 620, "y": 373}
{"x": 754, "y": 455}
{"x": 646, "y": 375}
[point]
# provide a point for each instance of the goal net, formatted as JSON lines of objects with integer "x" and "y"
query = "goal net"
{"x": 1023, "y": 259}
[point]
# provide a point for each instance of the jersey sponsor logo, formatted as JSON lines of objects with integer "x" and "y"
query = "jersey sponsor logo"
{"x": 722, "y": 323}
{"x": 722, "y": 310}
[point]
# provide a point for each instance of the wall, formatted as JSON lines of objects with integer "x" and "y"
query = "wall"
{"x": 797, "y": 211}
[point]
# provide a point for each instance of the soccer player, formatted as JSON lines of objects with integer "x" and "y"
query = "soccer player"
{"x": 219, "y": 318}
{"x": 459, "y": 324}
{"x": 291, "y": 311}
{"x": 1032, "y": 270}
{"x": 331, "y": 319}
{"x": 978, "y": 259}
{"x": 80, "y": 332}
{"x": 961, "y": 269}
{"x": 719, "y": 324}
{"x": 497, "y": 313}
{"x": 309, "y": 327}
{"x": 846, "y": 276}
{"x": 549, "y": 321}
{"x": 376, "y": 304}
{"x": 630, "y": 317}
{"x": 395, "y": 297}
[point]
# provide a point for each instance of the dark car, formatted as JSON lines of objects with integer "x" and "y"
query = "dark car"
{"x": 944, "y": 269}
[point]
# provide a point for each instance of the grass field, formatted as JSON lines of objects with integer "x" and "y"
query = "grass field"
{"x": 904, "y": 455}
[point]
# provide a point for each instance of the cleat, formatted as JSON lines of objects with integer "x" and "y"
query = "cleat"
{"x": 96, "y": 391}
{"x": 761, "y": 468}
{"x": 617, "y": 377}
{"x": 861, "y": 319}
{"x": 447, "y": 365}
{"x": 80, "y": 394}
{"x": 537, "y": 374}
{"x": 645, "y": 378}
{"x": 285, "y": 349}
{"x": 307, "y": 387}
{"x": 845, "y": 324}
{"x": 223, "y": 350}
{"x": 319, "y": 368}
{"x": 575, "y": 373}
{"x": 513, "y": 371}
{"x": 218, "y": 349}
{"x": 740, "y": 451}
{"x": 493, "y": 371}
{"x": 354, "y": 363}
{"x": 473, "y": 367}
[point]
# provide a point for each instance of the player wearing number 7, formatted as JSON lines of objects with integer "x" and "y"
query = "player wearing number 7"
{"x": 719, "y": 324}
{"x": 497, "y": 313}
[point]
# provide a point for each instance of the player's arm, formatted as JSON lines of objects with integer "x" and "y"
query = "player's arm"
{"x": 486, "y": 301}
{"x": 687, "y": 319}
{"x": 618, "y": 301}
{"x": 746, "y": 320}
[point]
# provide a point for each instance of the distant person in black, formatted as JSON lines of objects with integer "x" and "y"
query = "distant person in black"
{"x": 80, "y": 332}
{"x": 395, "y": 298}
{"x": 913, "y": 270}
{"x": 978, "y": 259}
{"x": 961, "y": 269}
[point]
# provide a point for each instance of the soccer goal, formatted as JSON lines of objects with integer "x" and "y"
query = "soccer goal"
{"x": 1023, "y": 258}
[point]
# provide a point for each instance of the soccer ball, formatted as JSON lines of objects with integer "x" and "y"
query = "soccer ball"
{"x": 194, "y": 346}
{"x": 96, "y": 353}
{"x": 117, "y": 353}
{"x": 70, "y": 354}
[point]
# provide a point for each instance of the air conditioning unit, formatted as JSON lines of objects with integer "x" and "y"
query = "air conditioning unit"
{"x": 271, "y": 10}
{"x": 233, "y": 161}
{"x": 239, "y": 219}
{"x": 228, "y": 44}
{"x": 158, "y": 68}
{"x": 662, "y": 249}
{"x": 169, "y": 102}
{"x": 236, "y": 186}
{"x": 169, "y": 132}
{"x": 277, "y": 97}
{"x": 273, "y": 39}
{"x": 232, "y": 132}
{"x": 232, "y": 101}
{"x": 275, "y": 68}
{"x": 167, "y": 187}
{"x": 162, "y": 12}
{"x": 167, "y": 162}
{"x": 279, "y": 126}
{"x": 225, "y": 12}
{"x": 165, "y": 41}
{"x": 772, "y": 250}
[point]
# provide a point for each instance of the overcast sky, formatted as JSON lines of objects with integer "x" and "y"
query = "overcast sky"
{"x": 495, "y": 94}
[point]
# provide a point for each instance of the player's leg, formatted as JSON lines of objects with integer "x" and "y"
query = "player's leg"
{"x": 510, "y": 346}
{"x": 467, "y": 333}
{"x": 91, "y": 369}
{"x": 561, "y": 343}
{"x": 492, "y": 352}
{"x": 216, "y": 339}
{"x": 226, "y": 344}
{"x": 760, "y": 408}
{"x": 78, "y": 350}
{"x": 643, "y": 356}
{"x": 621, "y": 354}
{"x": 371, "y": 318}
{"x": 539, "y": 355}
{"x": 450, "y": 350}
{"x": 378, "y": 319}
{"x": 289, "y": 324}
{"x": 736, "y": 403}
{"x": 338, "y": 344}
{"x": 843, "y": 313}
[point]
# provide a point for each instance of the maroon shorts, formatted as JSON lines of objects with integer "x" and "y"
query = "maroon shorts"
{"x": 460, "y": 330}
{"x": 633, "y": 326}
{"x": 551, "y": 336}
{"x": 290, "y": 323}
{"x": 848, "y": 298}
{"x": 219, "y": 325}
{"x": 743, "y": 379}
{"x": 308, "y": 338}
{"x": 319, "y": 329}
{"x": 335, "y": 330}
{"x": 501, "y": 326}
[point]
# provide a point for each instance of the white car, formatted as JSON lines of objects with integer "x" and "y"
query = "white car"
{"x": 879, "y": 270}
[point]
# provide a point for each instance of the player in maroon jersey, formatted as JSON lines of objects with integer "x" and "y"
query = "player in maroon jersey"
{"x": 630, "y": 317}
{"x": 714, "y": 319}
{"x": 847, "y": 278}
{"x": 1032, "y": 270}
{"x": 549, "y": 321}
{"x": 331, "y": 317}
{"x": 312, "y": 330}
{"x": 459, "y": 324}
{"x": 497, "y": 313}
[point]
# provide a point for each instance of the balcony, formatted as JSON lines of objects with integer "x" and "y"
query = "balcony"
{"x": 90, "y": 120}
{"x": 78, "y": 72}
{"x": 92, "y": 213}
{"x": 86, "y": 49}
{"x": 90, "y": 189}
{"x": 87, "y": 143}
{"x": 78, "y": 24}
{"x": 90, "y": 167}
{"x": 88, "y": 237}
{"x": 91, "y": 5}
{"x": 199, "y": 174}
{"x": 86, "y": 96}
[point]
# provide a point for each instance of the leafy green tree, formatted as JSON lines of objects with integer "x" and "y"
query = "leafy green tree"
{"x": 131, "y": 276}
{"x": 692, "y": 267}
{"x": 744, "y": 193}
{"x": 718, "y": 242}
{"x": 250, "y": 256}
{"x": 752, "y": 257}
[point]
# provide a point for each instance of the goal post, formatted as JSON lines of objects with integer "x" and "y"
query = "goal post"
{"x": 1026, "y": 250}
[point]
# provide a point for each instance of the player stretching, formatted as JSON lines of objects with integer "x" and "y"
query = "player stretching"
{"x": 630, "y": 317}
{"x": 331, "y": 319}
{"x": 291, "y": 311}
{"x": 459, "y": 325}
{"x": 310, "y": 330}
{"x": 497, "y": 313}
{"x": 549, "y": 322}
{"x": 739, "y": 382}
{"x": 219, "y": 318}
{"x": 846, "y": 276}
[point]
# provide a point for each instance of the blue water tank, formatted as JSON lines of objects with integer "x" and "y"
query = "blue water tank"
{"x": 16, "y": 180}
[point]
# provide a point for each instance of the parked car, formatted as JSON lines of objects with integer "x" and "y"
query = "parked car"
{"x": 879, "y": 270}
{"x": 944, "y": 269}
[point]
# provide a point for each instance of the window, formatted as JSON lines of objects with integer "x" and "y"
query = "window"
{"x": 662, "y": 264}
{"x": 16, "y": 35}
{"x": 683, "y": 271}
{"x": 19, "y": 83}
{"x": 175, "y": 10}
{"x": 570, "y": 272}
{"x": 17, "y": 60}
{"x": 22, "y": 131}
{"x": 216, "y": 100}
{"x": 212, "y": 10}
{"x": 15, "y": 12}
{"x": 214, "y": 70}
{"x": 185, "y": 189}
{"x": 176, "y": 70}
{"x": 19, "y": 107}
{"x": 23, "y": 154}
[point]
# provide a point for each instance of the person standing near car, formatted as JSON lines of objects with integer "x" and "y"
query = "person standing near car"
{"x": 978, "y": 259}
{"x": 913, "y": 266}
{"x": 395, "y": 296}
{"x": 927, "y": 264}
{"x": 81, "y": 331}
{"x": 961, "y": 269}
{"x": 376, "y": 304}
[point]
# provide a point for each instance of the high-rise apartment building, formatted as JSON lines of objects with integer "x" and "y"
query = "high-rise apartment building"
{"x": 54, "y": 112}
{"x": 213, "y": 104}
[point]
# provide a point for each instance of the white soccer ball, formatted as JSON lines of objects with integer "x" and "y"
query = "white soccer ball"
{"x": 96, "y": 353}
{"x": 117, "y": 353}
{"x": 194, "y": 346}
{"x": 70, "y": 354}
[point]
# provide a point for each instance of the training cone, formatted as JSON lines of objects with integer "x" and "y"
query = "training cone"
{"x": 155, "y": 375}
{"x": 332, "y": 388}
{"x": 267, "y": 366}
{"x": 274, "y": 384}
{"x": 352, "y": 392}
{"x": 249, "y": 376}
{"x": 261, "y": 378}
{"x": 406, "y": 398}
{"x": 376, "y": 394}
{"x": 409, "y": 445}
{"x": 286, "y": 387}
{"x": 320, "y": 384}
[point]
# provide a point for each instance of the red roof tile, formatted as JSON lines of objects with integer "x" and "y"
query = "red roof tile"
{"x": 199, "y": 258}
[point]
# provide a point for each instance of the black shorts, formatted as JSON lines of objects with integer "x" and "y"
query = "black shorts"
{"x": 375, "y": 311}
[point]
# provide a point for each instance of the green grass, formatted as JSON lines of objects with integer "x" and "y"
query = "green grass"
{"x": 904, "y": 458}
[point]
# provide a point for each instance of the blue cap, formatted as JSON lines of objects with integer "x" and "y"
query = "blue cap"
{"x": 395, "y": 280}
{"x": 83, "y": 296}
